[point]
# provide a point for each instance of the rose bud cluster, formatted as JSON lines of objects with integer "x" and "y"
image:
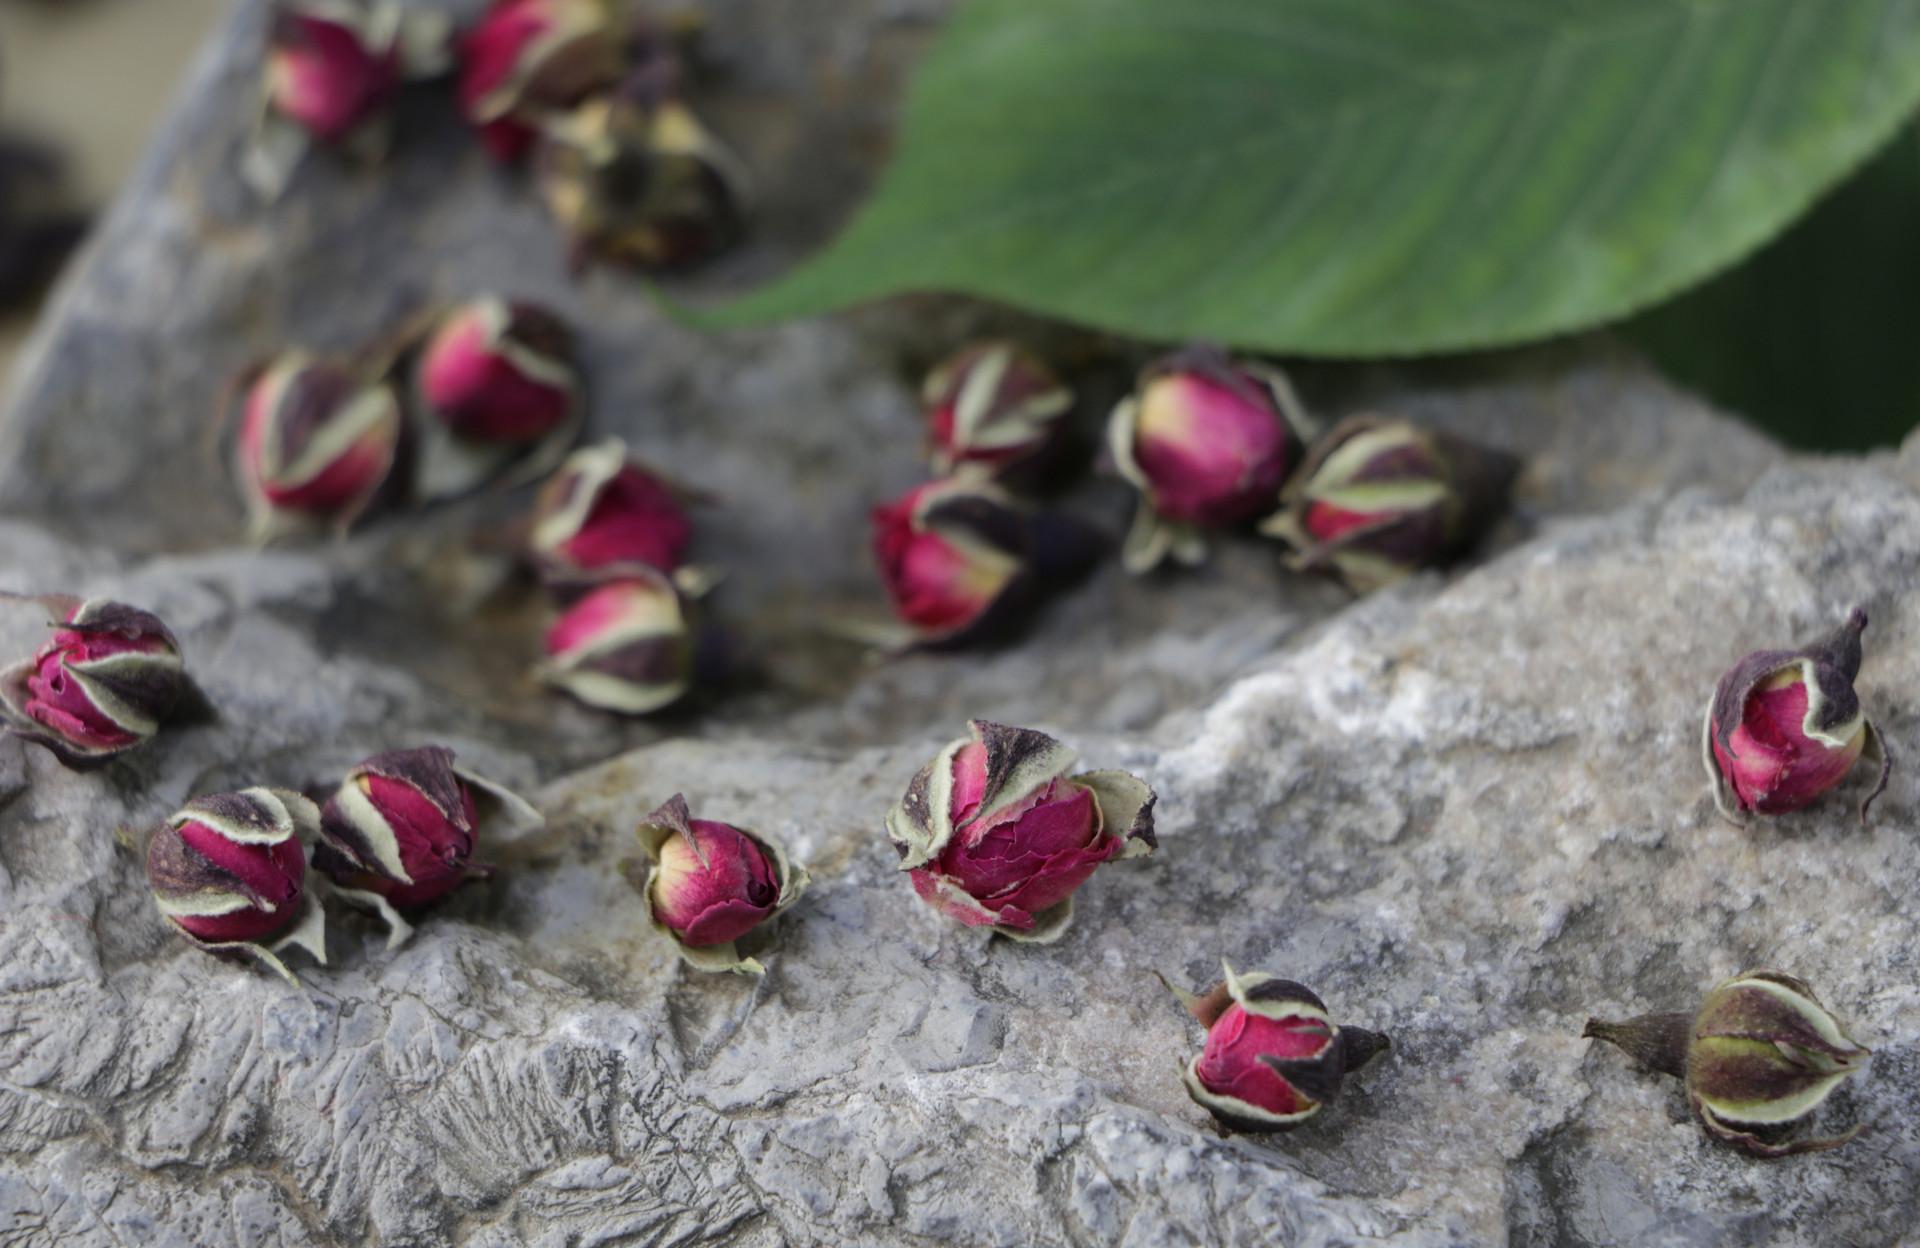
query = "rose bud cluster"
{"x": 635, "y": 179}
{"x": 1784, "y": 726}
{"x": 317, "y": 444}
{"x": 957, "y": 560}
{"x": 712, "y": 883}
{"x": 101, "y": 685}
{"x": 527, "y": 59}
{"x": 1208, "y": 440}
{"x": 994, "y": 833}
{"x": 1759, "y": 1055}
{"x": 1378, "y": 499}
{"x": 331, "y": 72}
{"x": 229, "y": 872}
{"x": 628, "y": 646}
{"x": 991, "y": 407}
{"x": 493, "y": 384}
{"x": 404, "y": 826}
{"x": 1273, "y": 1057}
{"x": 604, "y": 516}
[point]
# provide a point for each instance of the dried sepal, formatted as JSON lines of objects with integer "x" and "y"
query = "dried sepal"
{"x": 1788, "y": 764}
{"x": 1761, "y": 1054}
{"x": 674, "y": 822}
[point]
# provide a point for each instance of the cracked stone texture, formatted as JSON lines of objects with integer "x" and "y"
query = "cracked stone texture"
{"x": 1469, "y": 810}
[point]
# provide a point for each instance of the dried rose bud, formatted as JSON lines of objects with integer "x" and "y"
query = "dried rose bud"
{"x": 1379, "y": 498}
{"x": 526, "y": 58}
{"x": 1208, "y": 440}
{"x": 497, "y": 370}
{"x": 332, "y": 69}
{"x": 100, "y": 686}
{"x": 404, "y": 824}
{"x": 603, "y": 515}
{"x": 1761, "y": 1054}
{"x": 316, "y": 443}
{"x": 499, "y": 389}
{"x": 625, "y": 647}
{"x": 712, "y": 883}
{"x": 996, "y": 834}
{"x": 954, "y": 557}
{"x": 990, "y": 406}
{"x": 1785, "y": 726}
{"x": 1273, "y": 1057}
{"x": 634, "y": 178}
{"x": 229, "y": 872}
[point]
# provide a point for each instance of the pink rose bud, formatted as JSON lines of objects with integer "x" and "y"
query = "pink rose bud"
{"x": 404, "y": 825}
{"x": 316, "y": 444}
{"x": 527, "y": 58}
{"x": 100, "y": 686}
{"x": 635, "y": 179}
{"x": 1784, "y": 726}
{"x": 604, "y": 515}
{"x": 625, "y": 647}
{"x": 995, "y": 834}
{"x": 1273, "y": 1058}
{"x": 331, "y": 68}
{"x": 229, "y": 868}
{"x": 1208, "y": 440}
{"x": 991, "y": 406}
{"x": 499, "y": 371}
{"x": 954, "y": 558}
{"x": 712, "y": 883}
{"x": 1378, "y": 499}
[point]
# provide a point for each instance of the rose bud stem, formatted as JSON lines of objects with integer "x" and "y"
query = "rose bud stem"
{"x": 994, "y": 833}
{"x": 228, "y": 871}
{"x": 1785, "y": 726}
{"x": 1208, "y": 440}
{"x": 316, "y": 446}
{"x": 1759, "y": 1055}
{"x": 402, "y": 830}
{"x": 103, "y": 684}
{"x": 1377, "y": 499}
{"x": 1273, "y": 1057}
{"x": 712, "y": 883}
{"x": 496, "y": 391}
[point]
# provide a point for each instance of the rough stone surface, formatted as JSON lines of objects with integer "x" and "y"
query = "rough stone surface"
{"x": 1469, "y": 811}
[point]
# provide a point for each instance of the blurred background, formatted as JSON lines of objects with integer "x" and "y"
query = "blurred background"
{"x": 1807, "y": 338}
{"x": 85, "y": 82}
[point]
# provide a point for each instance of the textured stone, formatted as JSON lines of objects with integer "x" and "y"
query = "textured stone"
{"x": 1468, "y": 811}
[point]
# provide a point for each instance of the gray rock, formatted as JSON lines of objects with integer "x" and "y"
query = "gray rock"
{"x": 1468, "y": 811}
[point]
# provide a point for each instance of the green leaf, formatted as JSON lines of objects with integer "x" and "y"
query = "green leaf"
{"x": 1813, "y": 338}
{"x": 1360, "y": 177}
